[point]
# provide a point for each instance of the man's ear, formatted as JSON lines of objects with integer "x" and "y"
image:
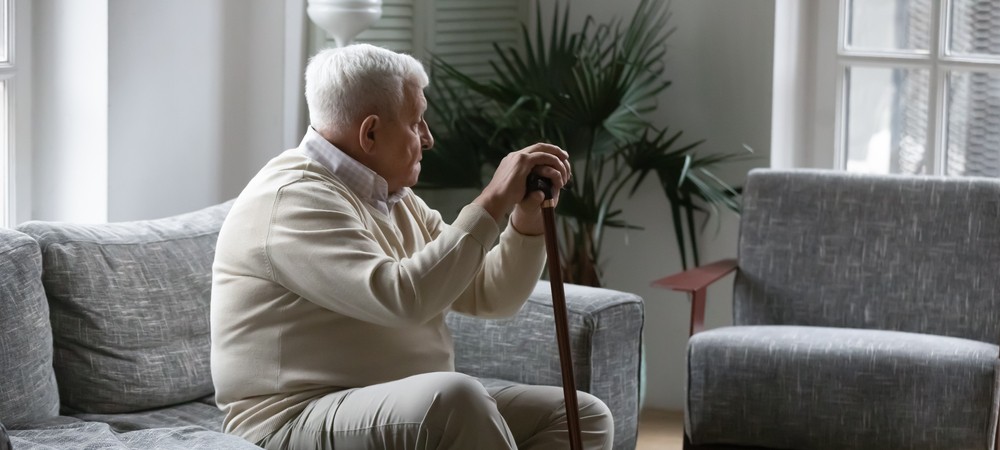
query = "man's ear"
{"x": 366, "y": 134}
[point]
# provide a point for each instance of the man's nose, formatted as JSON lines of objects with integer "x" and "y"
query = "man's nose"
{"x": 426, "y": 139}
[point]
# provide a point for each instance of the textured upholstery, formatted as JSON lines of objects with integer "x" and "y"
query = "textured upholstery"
{"x": 605, "y": 337}
{"x": 828, "y": 248}
{"x": 187, "y": 425}
{"x": 27, "y": 383}
{"x": 867, "y": 313}
{"x": 185, "y": 414}
{"x": 130, "y": 312}
{"x": 97, "y": 435}
{"x": 4, "y": 439}
{"x": 797, "y": 387}
{"x": 129, "y": 305}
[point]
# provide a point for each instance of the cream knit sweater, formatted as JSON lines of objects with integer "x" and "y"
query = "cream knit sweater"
{"x": 315, "y": 291}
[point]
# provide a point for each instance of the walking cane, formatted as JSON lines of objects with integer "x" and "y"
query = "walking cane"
{"x": 536, "y": 183}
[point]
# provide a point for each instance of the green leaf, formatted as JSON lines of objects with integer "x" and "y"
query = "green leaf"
{"x": 590, "y": 90}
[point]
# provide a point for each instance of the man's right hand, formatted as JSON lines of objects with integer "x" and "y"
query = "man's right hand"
{"x": 509, "y": 184}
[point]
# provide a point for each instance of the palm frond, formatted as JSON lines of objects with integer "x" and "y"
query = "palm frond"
{"x": 589, "y": 90}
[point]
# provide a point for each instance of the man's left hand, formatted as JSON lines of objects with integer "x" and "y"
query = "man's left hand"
{"x": 527, "y": 215}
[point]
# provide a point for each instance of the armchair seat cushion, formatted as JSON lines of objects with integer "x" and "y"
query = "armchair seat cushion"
{"x": 815, "y": 388}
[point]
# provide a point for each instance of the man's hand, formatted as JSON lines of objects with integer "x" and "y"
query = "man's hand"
{"x": 508, "y": 189}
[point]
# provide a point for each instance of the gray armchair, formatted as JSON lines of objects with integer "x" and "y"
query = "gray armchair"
{"x": 866, "y": 312}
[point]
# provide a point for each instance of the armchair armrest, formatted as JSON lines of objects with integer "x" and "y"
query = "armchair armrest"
{"x": 605, "y": 328}
{"x": 696, "y": 282}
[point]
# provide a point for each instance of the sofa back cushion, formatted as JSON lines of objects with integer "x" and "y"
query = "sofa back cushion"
{"x": 904, "y": 253}
{"x": 129, "y": 307}
{"x": 27, "y": 383}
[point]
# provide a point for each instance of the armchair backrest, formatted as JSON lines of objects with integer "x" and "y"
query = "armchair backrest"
{"x": 905, "y": 253}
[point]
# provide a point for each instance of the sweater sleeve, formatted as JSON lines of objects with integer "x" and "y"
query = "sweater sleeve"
{"x": 508, "y": 275}
{"x": 319, "y": 247}
{"x": 507, "y": 278}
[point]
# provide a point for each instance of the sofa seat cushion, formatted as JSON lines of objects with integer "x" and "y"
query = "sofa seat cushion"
{"x": 194, "y": 413}
{"x": 28, "y": 389}
{"x": 81, "y": 434}
{"x": 129, "y": 309}
{"x": 814, "y": 388}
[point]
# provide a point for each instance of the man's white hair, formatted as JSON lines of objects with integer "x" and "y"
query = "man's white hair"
{"x": 346, "y": 84}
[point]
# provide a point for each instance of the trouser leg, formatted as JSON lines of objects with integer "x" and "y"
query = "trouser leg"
{"x": 442, "y": 410}
{"x": 536, "y": 416}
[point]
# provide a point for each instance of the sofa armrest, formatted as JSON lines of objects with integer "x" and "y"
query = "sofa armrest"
{"x": 605, "y": 338}
{"x": 4, "y": 440}
{"x": 696, "y": 281}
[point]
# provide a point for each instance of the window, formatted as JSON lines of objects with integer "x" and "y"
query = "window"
{"x": 918, "y": 87}
{"x": 6, "y": 111}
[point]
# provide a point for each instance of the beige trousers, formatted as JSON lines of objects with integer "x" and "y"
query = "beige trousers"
{"x": 443, "y": 410}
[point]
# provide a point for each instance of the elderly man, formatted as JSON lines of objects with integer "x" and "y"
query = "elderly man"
{"x": 332, "y": 279}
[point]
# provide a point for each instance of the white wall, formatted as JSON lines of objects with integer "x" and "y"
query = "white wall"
{"x": 152, "y": 108}
{"x": 720, "y": 62}
{"x": 196, "y": 101}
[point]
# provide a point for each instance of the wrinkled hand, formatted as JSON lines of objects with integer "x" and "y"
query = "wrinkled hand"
{"x": 507, "y": 190}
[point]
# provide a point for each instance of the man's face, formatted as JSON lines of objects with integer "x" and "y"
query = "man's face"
{"x": 400, "y": 144}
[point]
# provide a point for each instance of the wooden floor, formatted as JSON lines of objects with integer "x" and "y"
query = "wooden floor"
{"x": 660, "y": 430}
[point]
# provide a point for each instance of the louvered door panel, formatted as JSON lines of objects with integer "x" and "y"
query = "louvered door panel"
{"x": 396, "y": 30}
{"x": 464, "y": 31}
{"x": 461, "y": 32}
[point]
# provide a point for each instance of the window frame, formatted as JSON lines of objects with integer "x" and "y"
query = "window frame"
{"x": 812, "y": 58}
{"x": 7, "y": 104}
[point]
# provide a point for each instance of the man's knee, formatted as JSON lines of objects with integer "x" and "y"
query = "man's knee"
{"x": 595, "y": 416}
{"x": 462, "y": 410}
{"x": 459, "y": 392}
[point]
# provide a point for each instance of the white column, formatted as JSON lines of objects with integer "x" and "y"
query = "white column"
{"x": 70, "y": 108}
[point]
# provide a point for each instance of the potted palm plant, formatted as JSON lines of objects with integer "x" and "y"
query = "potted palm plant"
{"x": 588, "y": 91}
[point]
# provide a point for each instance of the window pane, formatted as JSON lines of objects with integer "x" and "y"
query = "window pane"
{"x": 886, "y": 118}
{"x": 889, "y": 25}
{"x": 4, "y": 29}
{"x": 975, "y": 27}
{"x": 973, "y": 121}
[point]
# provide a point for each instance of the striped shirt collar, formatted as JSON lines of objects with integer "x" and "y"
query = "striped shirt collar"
{"x": 364, "y": 182}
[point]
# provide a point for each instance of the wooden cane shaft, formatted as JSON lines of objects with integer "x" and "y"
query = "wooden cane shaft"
{"x": 562, "y": 328}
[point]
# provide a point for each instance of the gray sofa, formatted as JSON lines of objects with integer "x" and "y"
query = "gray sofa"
{"x": 105, "y": 338}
